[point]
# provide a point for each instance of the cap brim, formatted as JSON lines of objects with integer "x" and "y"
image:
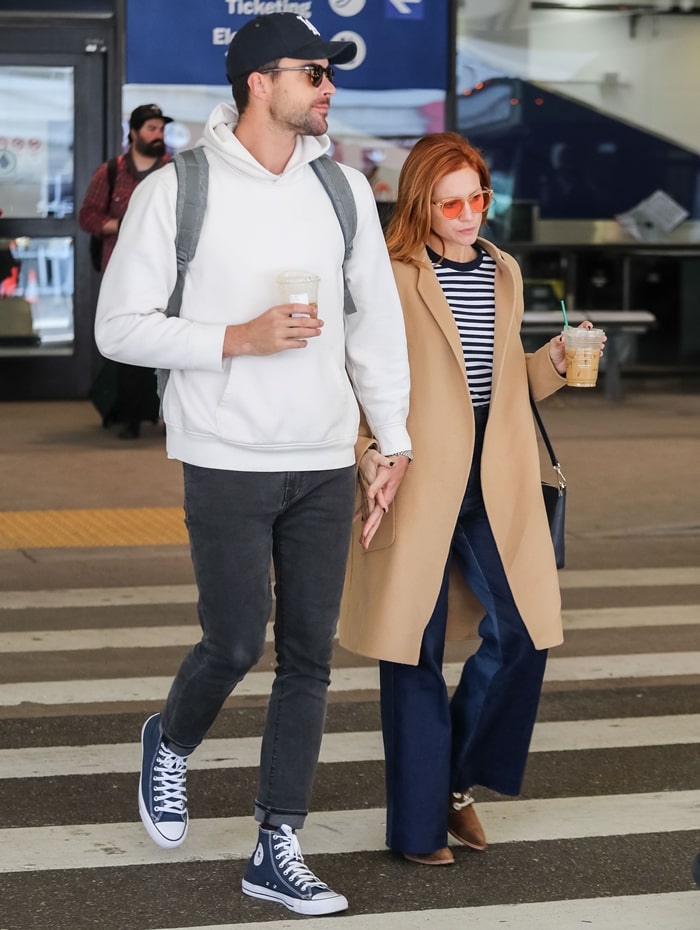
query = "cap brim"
{"x": 139, "y": 123}
{"x": 337, "y": 52}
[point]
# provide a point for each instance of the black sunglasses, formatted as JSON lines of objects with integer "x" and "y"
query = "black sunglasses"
{"x": 316, "y": 72}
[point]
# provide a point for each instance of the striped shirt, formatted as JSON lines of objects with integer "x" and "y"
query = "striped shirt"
{"x": 469, "y": 288}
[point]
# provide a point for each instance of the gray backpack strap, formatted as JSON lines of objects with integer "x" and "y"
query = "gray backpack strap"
{"x": 331, "y": 175}
{"x": 192, "y": 187}
{"x": 192, "y": 169}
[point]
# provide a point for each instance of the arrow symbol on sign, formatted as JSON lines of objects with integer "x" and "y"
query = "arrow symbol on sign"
{"x": 403, "y": 6}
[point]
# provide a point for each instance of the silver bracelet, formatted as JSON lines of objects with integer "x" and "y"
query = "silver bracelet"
{"x": 405, "y": 452}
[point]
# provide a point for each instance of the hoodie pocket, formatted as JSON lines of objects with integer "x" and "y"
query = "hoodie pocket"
{"x": 300, "y": 398}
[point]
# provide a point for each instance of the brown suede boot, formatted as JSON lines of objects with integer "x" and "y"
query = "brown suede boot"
{"x": 463, "y": 823}
{"x": 439, "y": 857}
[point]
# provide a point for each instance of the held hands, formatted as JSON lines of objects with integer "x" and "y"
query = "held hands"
{"x": 380, "y": 477}
{"x": 557, "y": 348}
{"x": 285, "y": 326}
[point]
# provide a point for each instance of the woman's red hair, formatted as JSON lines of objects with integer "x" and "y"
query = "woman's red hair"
{"x": 430, "y": 159}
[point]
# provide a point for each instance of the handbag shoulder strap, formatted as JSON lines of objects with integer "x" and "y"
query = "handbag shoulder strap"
{"x": 561, "y": 480}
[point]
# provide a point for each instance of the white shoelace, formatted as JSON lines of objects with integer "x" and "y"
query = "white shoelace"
{"x": 291, "y": 862}
{"x": 461, "y": 800}
{"x": 169, "y": 774}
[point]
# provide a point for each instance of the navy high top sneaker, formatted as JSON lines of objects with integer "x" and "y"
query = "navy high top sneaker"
{"x": 162, "y": 788}
{"x": 276, "y": 872}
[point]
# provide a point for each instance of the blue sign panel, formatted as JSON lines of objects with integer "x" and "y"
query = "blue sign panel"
{"x": 401, "y": 43}
{"x": 403, "y": 9}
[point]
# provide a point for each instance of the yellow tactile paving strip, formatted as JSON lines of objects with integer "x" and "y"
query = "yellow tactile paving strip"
{"x": 48, "y": 529}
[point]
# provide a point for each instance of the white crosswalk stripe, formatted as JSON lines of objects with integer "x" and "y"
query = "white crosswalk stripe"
{"x": 636, "y": 912}
{"x": 335, "y": 832}
{"x": 187, "y": 593}
{"x": 568, "y": 736}
{"x": 154, "y": 637}
{"x": 110, "y": 690}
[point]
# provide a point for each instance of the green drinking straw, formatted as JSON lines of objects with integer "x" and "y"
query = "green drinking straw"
{"x": 563, "y": 310}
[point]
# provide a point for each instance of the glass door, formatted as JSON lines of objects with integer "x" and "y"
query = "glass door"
{"x": 53, "y": 119}
{"x": 37, "y": 174}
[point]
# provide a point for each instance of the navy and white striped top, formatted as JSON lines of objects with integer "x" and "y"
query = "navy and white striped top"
{"x": 469, "y": 288}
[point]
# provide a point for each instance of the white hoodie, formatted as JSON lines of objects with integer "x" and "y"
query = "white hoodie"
{"x": 290, "y": 411}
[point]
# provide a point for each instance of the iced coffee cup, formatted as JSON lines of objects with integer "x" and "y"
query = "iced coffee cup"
{"x": 582, "y": 355}
{"x": 298, "y": 287}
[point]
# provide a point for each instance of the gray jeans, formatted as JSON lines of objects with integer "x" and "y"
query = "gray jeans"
{"x": 239, "y": 524}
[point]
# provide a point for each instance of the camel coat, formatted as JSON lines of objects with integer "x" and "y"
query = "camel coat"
{"x": 391, "y": 590}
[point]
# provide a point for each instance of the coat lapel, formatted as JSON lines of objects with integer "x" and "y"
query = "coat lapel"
{"x": 436, "y": 305}
{"x": 505, "y": 311}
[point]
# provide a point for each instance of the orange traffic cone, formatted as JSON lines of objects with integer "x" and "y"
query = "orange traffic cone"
{"x": 31, "y": 291}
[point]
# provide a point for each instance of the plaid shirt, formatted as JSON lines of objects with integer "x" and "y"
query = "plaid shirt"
{"x": 96, "y": 208}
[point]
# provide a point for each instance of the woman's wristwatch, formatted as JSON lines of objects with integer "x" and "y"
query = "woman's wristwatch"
{"x": 405, "y": 452}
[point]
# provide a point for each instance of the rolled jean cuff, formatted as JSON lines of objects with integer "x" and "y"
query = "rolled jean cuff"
{"x": 293, "y": 819}
{"x": 176, "y": 748}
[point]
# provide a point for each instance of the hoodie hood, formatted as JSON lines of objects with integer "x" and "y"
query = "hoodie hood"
{"x": 218, "y": 135}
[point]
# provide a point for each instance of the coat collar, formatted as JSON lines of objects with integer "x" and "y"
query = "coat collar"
{"x": 431, "y": 294}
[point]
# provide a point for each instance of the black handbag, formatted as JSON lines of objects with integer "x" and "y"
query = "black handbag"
{"x": 554, "y": 495}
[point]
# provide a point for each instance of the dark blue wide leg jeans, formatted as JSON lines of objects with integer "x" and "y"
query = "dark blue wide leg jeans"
{"x": 481, "y": 736}
{"x": 239, "y": 524}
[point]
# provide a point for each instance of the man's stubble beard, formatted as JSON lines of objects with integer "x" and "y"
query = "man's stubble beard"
{"x": 303, "y": 123}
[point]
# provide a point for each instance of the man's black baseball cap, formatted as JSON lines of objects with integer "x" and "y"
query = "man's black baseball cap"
{"x": 280, "y": 35}
{"x": 145, "y": 112}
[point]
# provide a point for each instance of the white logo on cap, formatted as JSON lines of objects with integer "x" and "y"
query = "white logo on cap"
{"x": 309, "y": 26}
